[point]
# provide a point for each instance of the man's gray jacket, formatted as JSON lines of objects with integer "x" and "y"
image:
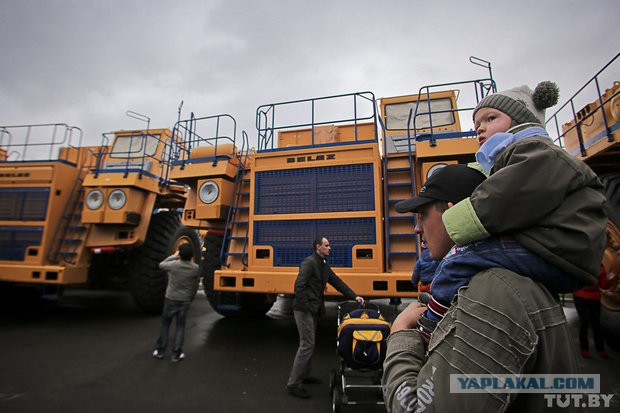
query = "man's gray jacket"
{"x": 501, "y": 323}
{"x": 183, "y": 278}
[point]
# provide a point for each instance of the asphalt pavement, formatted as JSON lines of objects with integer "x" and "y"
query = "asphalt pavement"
{"x": 91, "y": 352}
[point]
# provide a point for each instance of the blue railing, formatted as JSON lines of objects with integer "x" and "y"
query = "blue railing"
{"x": 208, "y": 131}
{"x": 231, "y": 218}
{"x": 579, "y": 117}
{"x": 40, "y": 142}
{"x": 481, "y": 88}
{"x": 361, "y": 105}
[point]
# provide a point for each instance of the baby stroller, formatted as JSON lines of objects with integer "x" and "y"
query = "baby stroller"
{"x": 361, "y": 346}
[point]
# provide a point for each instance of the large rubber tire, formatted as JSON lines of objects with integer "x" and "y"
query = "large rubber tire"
{"x": 234, "y": 305}
{"x": 147, "y": 283}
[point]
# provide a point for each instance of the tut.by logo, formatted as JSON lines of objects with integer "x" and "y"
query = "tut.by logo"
{"x": 559, "y": 390}
{"x": 578, "y": 400}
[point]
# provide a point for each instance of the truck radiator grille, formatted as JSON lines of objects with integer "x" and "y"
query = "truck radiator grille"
{"x": 15, "y": 240}
{"x": 23, "y": 204}
{"x": 292, "y": 239}
{"x": 338, "y": 188}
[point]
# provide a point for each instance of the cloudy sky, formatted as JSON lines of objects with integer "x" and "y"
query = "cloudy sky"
{"x": 86, "y": 62}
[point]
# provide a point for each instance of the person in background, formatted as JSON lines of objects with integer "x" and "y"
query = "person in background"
{"x": 183, "y": 279}
{"x": 314, "y": 274}
{"x": 588, "y": 306}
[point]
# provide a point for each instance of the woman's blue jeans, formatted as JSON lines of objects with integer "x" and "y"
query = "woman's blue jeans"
{"x": 173, "y": 309}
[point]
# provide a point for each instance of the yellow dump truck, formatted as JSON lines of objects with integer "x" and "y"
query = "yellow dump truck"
{"x": 75, "y": 215}
{"x": 340, "y": 177}
{"x": 333, "y": 165}
{"x": 41, "y": 175}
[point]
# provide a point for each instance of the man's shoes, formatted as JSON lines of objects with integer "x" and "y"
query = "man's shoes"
{"x": 178, "y": 357}
{"x": 603, "y": 354}
{"x": 585, "y": 354}
{"x": 158, "y": 354}
{"x": 298, "y": 391}
{"x": 312, "y": 380}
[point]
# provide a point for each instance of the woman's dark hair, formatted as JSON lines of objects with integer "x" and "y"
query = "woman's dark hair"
{"x": 186, "y": 252}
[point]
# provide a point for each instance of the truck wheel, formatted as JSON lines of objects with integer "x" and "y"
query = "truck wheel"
{"x": 147, "y": 281}
{"x": 225, "y": 303}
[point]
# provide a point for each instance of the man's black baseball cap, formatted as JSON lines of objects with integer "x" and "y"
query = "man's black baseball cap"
{"x": 452, "y": 183}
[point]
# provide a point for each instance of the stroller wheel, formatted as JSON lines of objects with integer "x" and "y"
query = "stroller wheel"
{"x": 332, "y": 381}
{"x": 336, "y": 400}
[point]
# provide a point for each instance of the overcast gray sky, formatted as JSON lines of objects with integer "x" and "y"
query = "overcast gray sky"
{"x": 86, "y": 62}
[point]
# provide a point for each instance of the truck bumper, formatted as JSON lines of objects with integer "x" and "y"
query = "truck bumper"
{"x": 43, "y": 274}
{"x": 282, "y": 282}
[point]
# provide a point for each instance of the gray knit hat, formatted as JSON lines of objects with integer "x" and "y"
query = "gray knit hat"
{"x": 521, "y": 104}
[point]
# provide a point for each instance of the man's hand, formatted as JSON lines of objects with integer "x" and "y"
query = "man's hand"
{"x": 408, "y": 318}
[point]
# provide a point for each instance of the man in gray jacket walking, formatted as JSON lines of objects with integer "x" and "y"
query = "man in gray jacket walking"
{"x": 183, "y": 277}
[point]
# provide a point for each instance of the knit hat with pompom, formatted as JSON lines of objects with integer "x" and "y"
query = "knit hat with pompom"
{"x": 523, "y": 105}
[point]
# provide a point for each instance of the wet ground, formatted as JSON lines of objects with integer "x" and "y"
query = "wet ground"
{"x": 91, "y": 352}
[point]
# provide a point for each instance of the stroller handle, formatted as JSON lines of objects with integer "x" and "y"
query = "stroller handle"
{"x": 353, "y": 304}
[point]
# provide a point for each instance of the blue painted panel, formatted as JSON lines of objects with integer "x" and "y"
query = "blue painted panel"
{"x": 23, "y": 204}
{"x": 339, "y": 188}
{"x": 291, "y": 240}
{"x": 15, "y": 240}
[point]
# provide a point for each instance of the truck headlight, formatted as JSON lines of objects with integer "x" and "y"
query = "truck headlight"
{"x": 94, "y": 199}
{"x": 117, "y": 199}
{"x": 209, "y": 191}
